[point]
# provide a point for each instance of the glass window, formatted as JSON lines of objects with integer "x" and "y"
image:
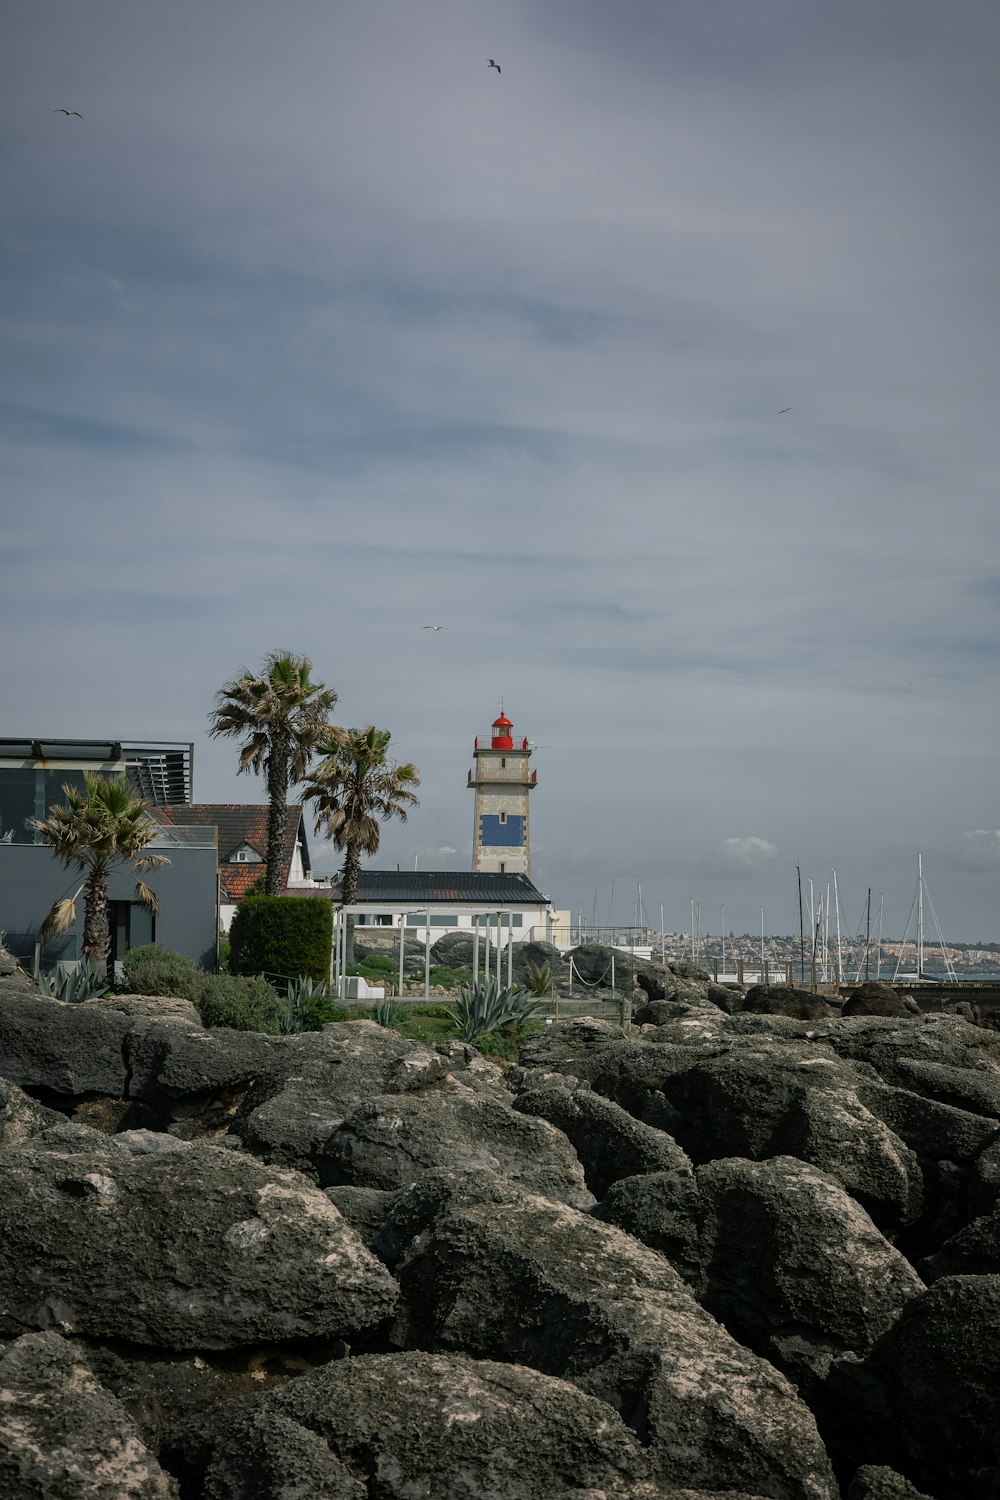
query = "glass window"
{"x": 17, "y": 805}
{"x": 444, "y": 921}
{"x": 416, "y": 919}
{"x": 52, "y": 789}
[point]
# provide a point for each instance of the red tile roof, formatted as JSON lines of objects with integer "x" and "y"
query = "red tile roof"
{"x": 239, "y": 823}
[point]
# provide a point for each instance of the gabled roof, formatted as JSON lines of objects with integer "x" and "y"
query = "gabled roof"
{"x": 435, "y": 887}
{"x": 239, "y": 823}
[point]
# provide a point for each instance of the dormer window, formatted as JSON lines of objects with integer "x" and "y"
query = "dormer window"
{"x": 246, "y": 854}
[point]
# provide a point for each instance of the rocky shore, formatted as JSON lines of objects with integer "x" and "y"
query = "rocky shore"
{"x": 749, "y": 1247}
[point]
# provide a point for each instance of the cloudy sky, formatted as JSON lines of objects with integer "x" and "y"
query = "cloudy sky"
{"x": 317, "y": 330}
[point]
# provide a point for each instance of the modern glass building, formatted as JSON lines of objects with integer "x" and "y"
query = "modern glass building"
{"x": 33, "y": 774}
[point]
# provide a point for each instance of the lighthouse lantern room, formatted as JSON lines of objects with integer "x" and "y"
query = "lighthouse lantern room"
{"x": 501, "y": 780}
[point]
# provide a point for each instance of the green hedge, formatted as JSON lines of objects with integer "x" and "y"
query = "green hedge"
{"x": 282, "y": 936}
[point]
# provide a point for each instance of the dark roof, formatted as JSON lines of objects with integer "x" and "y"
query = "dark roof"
{"x": 381, "y": 887}
{"x": 240, "y": 823}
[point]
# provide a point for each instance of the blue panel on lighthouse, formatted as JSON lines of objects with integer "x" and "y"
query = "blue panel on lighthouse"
{"x": 508, "y": 835}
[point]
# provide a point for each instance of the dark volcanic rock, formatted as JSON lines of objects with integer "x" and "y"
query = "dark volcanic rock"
{"x": 663, "y": 1210}
{"x": 365, "y": 1209}
{"x": 767, "y": 1226}
{"x": 784, "y": 1000}
{"x": 973, "y": 1251}
{"x": 540, "y": 1284}
{"x": 394, "y": 1139}
{"x": 879, "y": 1000}
{"x": 788, "y": 1100}
{"x": 926, "y": 1399}
{"x": 409, "y": 1425}
{"x": 609, "y": 1141}
{"x": 62, "y": 1437}
{"x": 288, "y": 1117}
{"x": 209, "y": 1250}
{"x": 20, "y": 1116}
{"x": 876, "y": 1482}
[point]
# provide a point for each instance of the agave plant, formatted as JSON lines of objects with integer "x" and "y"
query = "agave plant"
{"x": 388, "y": 1013}
{"x": 483, "y": 1006}
{"x": 74, "y": 985}
{"x": 303, "y": 993}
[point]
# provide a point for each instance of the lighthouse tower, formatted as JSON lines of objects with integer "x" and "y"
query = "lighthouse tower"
{"x": 502, "y": 781}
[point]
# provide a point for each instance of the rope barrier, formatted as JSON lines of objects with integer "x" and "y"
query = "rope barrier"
{"x": 593, "y": 983}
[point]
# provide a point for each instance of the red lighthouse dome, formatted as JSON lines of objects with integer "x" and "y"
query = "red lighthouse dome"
{"x": 502, "y": 737}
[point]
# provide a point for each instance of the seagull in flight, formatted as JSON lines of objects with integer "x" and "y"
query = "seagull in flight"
{"x": 783, "y": 410}
{"x": 435, "y": 627}
{"x": 494, "y": 64}
{"x": 68, "y": 112}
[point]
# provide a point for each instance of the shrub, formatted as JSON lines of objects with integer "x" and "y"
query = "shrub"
{"x": 152, "y": 970}
{"x": 483, "y": 1007}
{"x": 282, "y": 935}
{"x": 378, "y": 961}
{"x": 244, "y": 1002}
{"x": 73, "y": 985}
{"x": 505, "y": 1045}
{"x": 447, "y": 979}
{"x": 539, "y": 978}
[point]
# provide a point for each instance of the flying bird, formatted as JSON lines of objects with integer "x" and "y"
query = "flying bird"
{"x": 494, "y": 65}
{"x": 783, "y": 410}
{"x": 68, "y": 112}
{"x": 435, "y": 627}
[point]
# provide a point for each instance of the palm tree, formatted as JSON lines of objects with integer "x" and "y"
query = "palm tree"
{"x": 283, "y": 714}
{"x": 103, "y": 824}
{"x": 356, "y": 788}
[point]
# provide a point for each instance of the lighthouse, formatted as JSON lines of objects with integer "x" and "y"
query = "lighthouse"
{"x": 501, "y": 841}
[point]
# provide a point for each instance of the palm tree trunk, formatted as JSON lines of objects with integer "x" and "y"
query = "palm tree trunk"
{"x": 348, "y": 896}
{"x": 277, "y": 817}
{"x": 96, "y": 931}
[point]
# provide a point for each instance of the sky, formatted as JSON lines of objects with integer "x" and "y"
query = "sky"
{"x": 317, "y": 330}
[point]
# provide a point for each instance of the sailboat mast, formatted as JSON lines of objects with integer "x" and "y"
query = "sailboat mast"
{"x": 723, "y": 937}
{"x": 840, "y": 960}
{"x": 802, "y": 936}
{"x": 920, "y": 916}
{"x": 868, "y": 933}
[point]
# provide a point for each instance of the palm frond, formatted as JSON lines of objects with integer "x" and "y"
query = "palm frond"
{"x": 61, "y": 918}
{"x": 144, "y": 895}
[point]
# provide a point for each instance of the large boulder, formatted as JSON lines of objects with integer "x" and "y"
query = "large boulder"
{"x": 926, "y": 1399}
{"x": 209, "y": 1250}
{"x": 393, "y": 1140}
{"x": 767, "y": 1229}
{"x": 20, "y": 1116}
{"x": 874, "y": 999}
{"x": 974, "y": 1250}
{"x": 417, "y": 1424}
{"x": 609, "y": 1141}
{"x": 539, "y": 1284}
{"x": 663, "y": 1210}
{"x": 535, "y": 954}
{"x": 455, "y": 950}
{"x": 288, "y": 1116}
{"x": 794, "y": 1100}
{"x": 62, "y": 1436}
{"x": 783, "y": 1000}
